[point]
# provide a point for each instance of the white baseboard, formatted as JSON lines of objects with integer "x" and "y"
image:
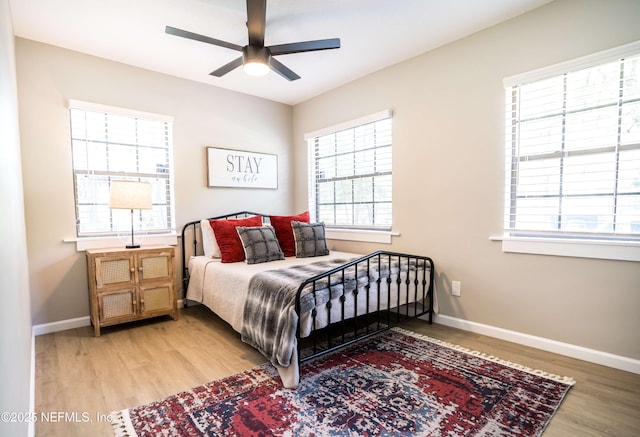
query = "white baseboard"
{"x": 566, "y": 349}
{"x": 63, "y": 325}
{"x": 569, "y": 350}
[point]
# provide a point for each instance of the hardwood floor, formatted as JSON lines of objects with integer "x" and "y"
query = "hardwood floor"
{"x": 81, "y": 378}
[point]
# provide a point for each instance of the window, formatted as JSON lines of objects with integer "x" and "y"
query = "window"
{"x": 350, "y": 174}
{"x": 573, "y": 149}
{"x": 110, "y": 144}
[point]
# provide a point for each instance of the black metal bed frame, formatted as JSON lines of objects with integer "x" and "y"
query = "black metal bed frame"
{"x": 418, "y": 296}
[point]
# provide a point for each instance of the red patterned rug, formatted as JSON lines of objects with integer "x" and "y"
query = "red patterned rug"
{"x": 396, "y": 383}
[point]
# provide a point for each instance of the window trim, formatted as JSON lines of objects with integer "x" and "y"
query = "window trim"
{"x": 163, "y": 236}
{"x": 387, "y": 113}
{"x": 84, "y": 243}
{"x": 613, "y": 248}
{"x": 576, "y": 248}
{"x": 581, "y": 63}
{"x": 340, "y": 232}
{"x": 361, "y": 235}
{"x": 97, "y": 107}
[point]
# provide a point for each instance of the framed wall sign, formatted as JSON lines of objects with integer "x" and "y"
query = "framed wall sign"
{"x": 236, "y": 168}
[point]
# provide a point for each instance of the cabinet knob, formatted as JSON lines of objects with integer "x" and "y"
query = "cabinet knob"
{"x": 133, "y": 270}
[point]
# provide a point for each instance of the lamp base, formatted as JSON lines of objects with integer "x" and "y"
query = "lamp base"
{"x": 132, "y": 246}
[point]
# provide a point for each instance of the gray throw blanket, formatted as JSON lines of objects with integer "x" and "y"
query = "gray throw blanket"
{"x": 270, "y": 320}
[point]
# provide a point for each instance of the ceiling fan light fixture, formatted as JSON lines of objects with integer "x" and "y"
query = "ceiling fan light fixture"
{"x": 255, "y": 60}
{"x": 256, "y": 68}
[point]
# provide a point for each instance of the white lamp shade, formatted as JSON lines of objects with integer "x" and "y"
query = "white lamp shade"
{"x": 130, "y": 195}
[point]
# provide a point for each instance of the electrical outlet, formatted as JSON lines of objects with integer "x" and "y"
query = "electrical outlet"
{"x": 455, "y": 288}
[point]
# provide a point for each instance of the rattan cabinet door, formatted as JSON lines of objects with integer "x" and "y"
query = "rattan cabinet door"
{"x": 156, "y": 299}
{"x": 115, "y": 271}
{"x": 154, "y": 267}
{"x": 117, "y": 306}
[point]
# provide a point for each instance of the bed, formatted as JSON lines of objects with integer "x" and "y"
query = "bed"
{"x": 308, "y": 303}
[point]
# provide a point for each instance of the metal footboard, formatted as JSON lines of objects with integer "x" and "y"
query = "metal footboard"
{"x": 389, "y": 299}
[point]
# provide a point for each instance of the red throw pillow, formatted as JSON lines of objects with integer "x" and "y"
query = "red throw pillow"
{"x": 228, "y": 239}
{"x": 284, "y": 232}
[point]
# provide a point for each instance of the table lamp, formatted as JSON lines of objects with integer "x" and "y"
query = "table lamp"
{"x": 130, "y": 195}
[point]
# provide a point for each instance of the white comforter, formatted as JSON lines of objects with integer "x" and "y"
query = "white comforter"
{"x": 223, "y": 288}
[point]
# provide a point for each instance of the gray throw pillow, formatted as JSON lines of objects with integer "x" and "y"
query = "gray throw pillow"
{"x": 260, "y": 244}
{"x": 310, "y": 239}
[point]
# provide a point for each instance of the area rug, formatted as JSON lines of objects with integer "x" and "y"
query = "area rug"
{"x": 397, "y": 383}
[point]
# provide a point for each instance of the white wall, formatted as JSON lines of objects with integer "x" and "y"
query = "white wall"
{"x": 203, "y": 116}
{"x": 15, "y": 320}
{"x": 448, "y": 130}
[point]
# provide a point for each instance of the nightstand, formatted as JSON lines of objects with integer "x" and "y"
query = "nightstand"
{"x": 130, "y": 284}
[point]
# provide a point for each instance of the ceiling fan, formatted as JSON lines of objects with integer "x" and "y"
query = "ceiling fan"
{"x": 257, "y": 59}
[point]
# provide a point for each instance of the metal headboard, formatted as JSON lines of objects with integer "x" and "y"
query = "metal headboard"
{"x": 191, "y": 229}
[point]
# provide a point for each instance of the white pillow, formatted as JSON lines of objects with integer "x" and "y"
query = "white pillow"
{"x": 209, "y": 243}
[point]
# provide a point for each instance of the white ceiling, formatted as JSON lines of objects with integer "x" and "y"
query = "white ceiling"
{"x": 374, "y": 34}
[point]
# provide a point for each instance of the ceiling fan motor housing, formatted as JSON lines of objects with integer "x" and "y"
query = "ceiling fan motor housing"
{"x": 256, "y": 54}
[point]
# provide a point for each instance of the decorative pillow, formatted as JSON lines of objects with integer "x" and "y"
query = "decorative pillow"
{"x": 260, "y": 244}
{"x": 209, "y": 245}
{"x": 227, "y": 237}
{"x": 310, "y": 239}
{"x": 284, "y": 232}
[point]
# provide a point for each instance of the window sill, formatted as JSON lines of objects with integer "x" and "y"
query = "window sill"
{"x": 581, "y": 248}
{"x": 83, "y": 244}
{"x": 383, "y": 237}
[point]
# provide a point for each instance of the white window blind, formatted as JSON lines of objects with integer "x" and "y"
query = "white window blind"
{"x": 112, "y": 144}
{"x": 350, "y": 173}
{"x": 573, "y": 150}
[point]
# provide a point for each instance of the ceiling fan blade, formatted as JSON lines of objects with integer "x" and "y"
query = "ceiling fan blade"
{"x": 256, "y": 17}
{"x": 305, "y": 46}
{"x": 227, "y": 67}
{"x": 190, "y": 35}
{"x": 282, "y": 70}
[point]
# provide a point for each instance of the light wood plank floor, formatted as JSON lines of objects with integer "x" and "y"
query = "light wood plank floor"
{"x": 81, "y": 378}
